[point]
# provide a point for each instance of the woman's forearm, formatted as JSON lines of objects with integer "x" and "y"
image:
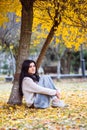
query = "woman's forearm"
{"x": 31, "y": 86}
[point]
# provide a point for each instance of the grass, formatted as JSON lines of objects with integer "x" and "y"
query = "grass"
{"x": 74, "y": 93}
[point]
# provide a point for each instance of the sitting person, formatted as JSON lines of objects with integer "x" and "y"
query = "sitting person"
{"x": 38, "y": 91}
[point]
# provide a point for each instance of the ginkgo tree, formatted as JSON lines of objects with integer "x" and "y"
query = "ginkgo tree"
{"x": 51, "y": 15}
{"x": 69, "y": 13}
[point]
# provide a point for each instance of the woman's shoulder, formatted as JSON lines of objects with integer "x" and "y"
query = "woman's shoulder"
{"x": 27, "y": 78}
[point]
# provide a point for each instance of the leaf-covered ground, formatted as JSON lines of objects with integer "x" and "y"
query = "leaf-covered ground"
{"x": 74, "y": 117}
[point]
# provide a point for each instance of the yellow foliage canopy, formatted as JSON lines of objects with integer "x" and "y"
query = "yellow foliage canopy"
{"x": 73, "y": 19}
{"x": 7, "y": 6}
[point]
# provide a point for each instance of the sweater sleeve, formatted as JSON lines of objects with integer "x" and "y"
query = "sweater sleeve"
{"x": 31, "y": 86}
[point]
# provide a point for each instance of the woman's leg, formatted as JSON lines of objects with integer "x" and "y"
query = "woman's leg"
{"x": 47, "y": 81}
{"x": 43, "y": 101}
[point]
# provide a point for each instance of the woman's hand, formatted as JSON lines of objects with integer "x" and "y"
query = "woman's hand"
{"x": 57, "y": 94}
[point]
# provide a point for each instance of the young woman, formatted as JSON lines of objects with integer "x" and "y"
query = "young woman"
{"x": 38, "y": 91}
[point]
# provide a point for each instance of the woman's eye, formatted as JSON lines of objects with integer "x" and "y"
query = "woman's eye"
{"x": 31, "y": 66}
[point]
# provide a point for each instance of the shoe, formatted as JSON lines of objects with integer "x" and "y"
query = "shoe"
{"x": 60, "y": 103}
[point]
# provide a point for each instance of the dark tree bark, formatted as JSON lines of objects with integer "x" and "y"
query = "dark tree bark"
{"x": 23, "y": 53}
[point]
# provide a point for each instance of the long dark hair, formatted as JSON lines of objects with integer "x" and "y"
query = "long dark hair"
{"x": 24, "y": 73}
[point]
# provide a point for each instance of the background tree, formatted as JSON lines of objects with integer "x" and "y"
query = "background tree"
{"x": 75, "y": 61}
{"x": 9, "y": 34}
{"x": 9, "y": 6}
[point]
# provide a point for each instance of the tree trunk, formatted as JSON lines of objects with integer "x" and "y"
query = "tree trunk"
{"x": 45, "y": 46}
{"x": 23, "y": 53}
{"x": 65, "y": 62}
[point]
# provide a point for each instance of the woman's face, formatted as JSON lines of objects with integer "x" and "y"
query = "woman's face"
{"x": 32, "y": 68}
